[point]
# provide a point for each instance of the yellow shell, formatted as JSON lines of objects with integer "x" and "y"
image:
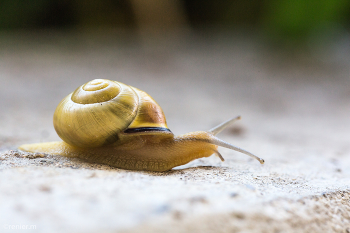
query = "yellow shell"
{"x": 98, "y": 111}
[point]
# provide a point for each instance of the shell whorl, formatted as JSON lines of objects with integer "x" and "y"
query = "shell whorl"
{"x": 95, "y": 113}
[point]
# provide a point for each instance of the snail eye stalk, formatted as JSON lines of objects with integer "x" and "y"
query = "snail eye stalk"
{"x": 216, "y": 141}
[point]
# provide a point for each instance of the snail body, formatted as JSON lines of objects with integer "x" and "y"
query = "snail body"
{"x": 111, "y": 123}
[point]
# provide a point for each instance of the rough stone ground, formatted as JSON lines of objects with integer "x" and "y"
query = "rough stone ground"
{"x": 295, "y": 108}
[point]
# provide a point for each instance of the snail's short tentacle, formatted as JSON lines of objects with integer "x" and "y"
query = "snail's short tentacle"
{"x": 219, "y": 155}
{"x": 223, "y": 126}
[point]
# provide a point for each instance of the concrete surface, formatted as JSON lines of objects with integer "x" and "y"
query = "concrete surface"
{"x": 295, "y": 109}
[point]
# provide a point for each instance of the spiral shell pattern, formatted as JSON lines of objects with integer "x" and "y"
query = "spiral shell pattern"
{"x": 95, "y": 113}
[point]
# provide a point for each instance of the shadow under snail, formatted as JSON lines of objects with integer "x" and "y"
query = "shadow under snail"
{"x": 111, "y": 123}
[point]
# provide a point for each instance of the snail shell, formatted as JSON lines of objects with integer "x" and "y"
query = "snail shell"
{"x": 111, "y": 123}
{"x": 98, "y": 111}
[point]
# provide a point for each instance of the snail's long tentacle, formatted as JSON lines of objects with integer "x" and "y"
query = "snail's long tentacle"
{"x": 223, "y": 126}
{"x": 219, "y": 142}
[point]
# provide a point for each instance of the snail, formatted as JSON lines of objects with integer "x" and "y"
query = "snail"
{"x": 111, "y": 123}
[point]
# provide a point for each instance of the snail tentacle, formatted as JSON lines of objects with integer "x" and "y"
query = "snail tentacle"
{"x": 216, "y": 141}
{"x": 217, "y": 129}
{"x": 219, "y": 155}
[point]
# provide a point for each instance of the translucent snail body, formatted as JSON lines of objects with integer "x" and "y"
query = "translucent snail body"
{"x": 111, "y": 123}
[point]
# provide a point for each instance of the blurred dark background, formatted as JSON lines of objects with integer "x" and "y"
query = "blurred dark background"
{"x": 288, "y": 21}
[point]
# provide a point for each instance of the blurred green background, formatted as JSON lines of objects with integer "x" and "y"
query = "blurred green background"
{"x": 285, "y": 21}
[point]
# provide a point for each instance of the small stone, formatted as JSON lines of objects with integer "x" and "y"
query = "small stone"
{"x": 39, "y": 155}
{"x": 177, "y": 215}
{"x": 232, "y": 195}
{"x": 198, "y": 200}
{"x": 45, "y": 188}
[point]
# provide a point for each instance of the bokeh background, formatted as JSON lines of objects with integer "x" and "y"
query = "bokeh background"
{"x": 291, "y": 21}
